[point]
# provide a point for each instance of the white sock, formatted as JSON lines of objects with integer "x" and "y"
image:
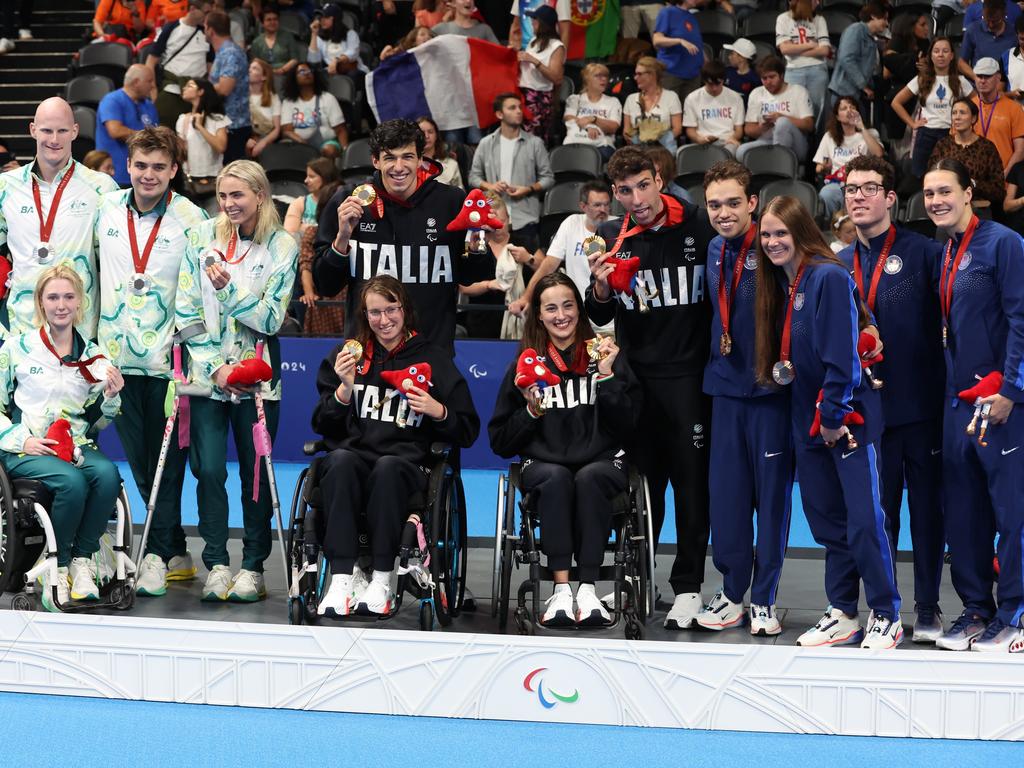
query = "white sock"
{"x": 382, "y": 577}
{"x": 562, "y": 588}
{"x": 585, "y": 588}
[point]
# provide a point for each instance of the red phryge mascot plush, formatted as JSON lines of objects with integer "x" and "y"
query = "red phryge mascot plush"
{"x": 623, "y": 280}
{"x": 530, "y": 370}
{"x": 250, "y": 372}
{"x": 865, "y": 344}
{"x": 60, "y": 431}
{"x": 416, "y": 375}
{"x": 986, "y": 387}
{"x": 852, "y": 419}
{"x": 476, "y": 213}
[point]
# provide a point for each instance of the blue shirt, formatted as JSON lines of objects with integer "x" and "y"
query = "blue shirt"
{"x": 742, "y": 84}
{"x": 118, "y": 105}
{"x": 673, "y": 21}
{"x": 973, "y": 14}
{"x": 979, "y": 42}
{"x": 906, "y": 312}
{"x": 230, "y": 61}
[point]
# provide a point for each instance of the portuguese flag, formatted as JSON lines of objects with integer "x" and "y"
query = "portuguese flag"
{"x": 595, "y": 27}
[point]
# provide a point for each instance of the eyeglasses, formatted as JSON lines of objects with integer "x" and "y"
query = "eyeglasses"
{"x": 869, "y": 190}
{"x": 377, "y": 314}
{"x": 303, "y": 71}
{"x": 714, "y": 81}
{"x": 641, "y": 72}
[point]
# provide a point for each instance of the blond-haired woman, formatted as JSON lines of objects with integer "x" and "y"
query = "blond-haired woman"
{"x": 652, "y": 114}
{"x": 593, "y": 117}
{"x": 235, "y": 284}
{"x": 50, "y": 373}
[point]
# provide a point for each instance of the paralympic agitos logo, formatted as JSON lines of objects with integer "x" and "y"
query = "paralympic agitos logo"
{"x": 543, "y": 694}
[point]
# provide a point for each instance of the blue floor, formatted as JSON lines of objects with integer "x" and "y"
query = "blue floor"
{"x": 99, "y": 732}
{"x": 481, "y": 486}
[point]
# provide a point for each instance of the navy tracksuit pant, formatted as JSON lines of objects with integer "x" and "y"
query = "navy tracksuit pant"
{"x": 751, "y": 468}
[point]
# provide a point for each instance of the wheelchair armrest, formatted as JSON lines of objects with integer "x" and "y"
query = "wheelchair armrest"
{"x": 313, "y": 447}
{"x": 440, "y": 450}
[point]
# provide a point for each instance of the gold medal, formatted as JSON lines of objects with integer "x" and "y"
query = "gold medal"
{"x": 354, "y": 348}
{"x": 593, "y": 351}
{"x": 725, "y": 344}
{"x": 365, "y": 194}
{"x": 593, "y": 245}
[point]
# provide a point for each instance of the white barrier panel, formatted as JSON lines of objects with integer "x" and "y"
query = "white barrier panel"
{"x": 562, "y": 679}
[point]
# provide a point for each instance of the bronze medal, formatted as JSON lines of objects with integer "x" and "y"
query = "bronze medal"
{"x": 725, "y": 344}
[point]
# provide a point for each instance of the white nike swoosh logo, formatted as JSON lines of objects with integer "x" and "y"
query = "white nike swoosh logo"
{"x": 847, "y": 455}
{"x": 936, "y": 451}
{"x": 1006, "y": 453}
{"x": 771, "y": 455}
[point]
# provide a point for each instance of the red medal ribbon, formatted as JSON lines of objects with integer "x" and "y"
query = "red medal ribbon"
{"x": 667, "y": 203}
{"x": 946, "y": 285}
{"x": 787, "y": 326}
{"x": 81, "y": 365}
{"x": 232, "y": 246}
{"x": 858, "y": 276}
{"x": 579, "y": 360}
{"x": 364, "y": 366}
{"x": 46, "y": 229}
{"x": 725, "y": 299}
{"x": 141, "y": 262}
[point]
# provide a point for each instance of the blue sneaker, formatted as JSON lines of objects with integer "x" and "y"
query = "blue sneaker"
{"x": 965, "y": 630}
{"x": 999, "y": 637}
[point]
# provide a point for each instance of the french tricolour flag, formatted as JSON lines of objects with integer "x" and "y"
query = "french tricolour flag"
{"x": 453, "y": 79}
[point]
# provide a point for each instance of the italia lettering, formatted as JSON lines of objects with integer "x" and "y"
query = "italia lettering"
{"x": 412, "y": 264}
{"x": 368, "y": 396}
{"x": 571, "y": 393}
{"x": 676, "y": 285}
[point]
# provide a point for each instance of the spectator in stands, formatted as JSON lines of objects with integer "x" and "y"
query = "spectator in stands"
{"x": 844, "y": 231}
{"x": 936, "y": 88}
{"x": 322, "y": 181}
{"x": 779, "y": 112}
{"x": 857, "y": 55}
{"x": 279, "y": 49}
{"x": 1013, "y": 64}
{"x": 9, "y": 30}
{"x": 162, "y": 12}
{"x": 1013, "y": 203}
{"x": 8, "y": 161}
{"x": 416, "y": 36}
{"x": 907, "y": 48}
{"x": 230, "y": 78}
{"x": 394, "y": 18}
{"x": 665, "y": 164}
{"x": 740, "y": 76}
{"x": 204, "y": 130}
{"x": 566, "y": 249}
{"x": 592, "y": 117}
{"x": 944, "y": 10}
{"x": 121, "y": 113}
{"x": 430, "y": 13}
{"x": 652, "y": 113}
{"x": 974, "y": 9}
{"x": 1001, "y": 121}
{"x": 637, "y": 15}
{"x": 987, "y": 38}
{"x": 264, "y": 109}
{"x": 680, "y": 47}
{"x": 845, "y": 138}
{"x": 714, "y": 114}
{"x": 322, "y": 178}
{"x": 977, "y": 153}
{"x": 520, "y": 32}
{"x": 801, "y": 35}
{"x": 435, "y": 148}
{"x": 541, "y": 68}
{"x": 120, "y": 18}
{"x": 96, "y": 160}
{"x": 464, "y": 24}
{"x": 180, "y": 52}
{"x": 310, "y": 114}
{"x": 334, "y": 45}
{"x": 515, "y": 165}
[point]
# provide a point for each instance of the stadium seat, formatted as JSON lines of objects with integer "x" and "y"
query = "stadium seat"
{"x": 211, "y": 206}
{"x": 287, "y": 189}
{"x": 696, "y": 193}
{"x": 768, "y": 163}
{"x": 574, "y": 71}
{"x": 716, "y": 27}
{"x": 913, "y": 7}
{"x": 87, "y": 89}
{"x": 143, "y": 53}
{"x": 760, "y": 25}
{"x": 576, "y": 162}
{"x": 801, "y": 190}
{"x": 286, "y": 161}
{"x": 107, "y": 59}
{"x": 357, "y": 163}
{"x": 916, "y": 217}
{"x": 295, "y": 24}
{"x": 342, "y": 87}
{"x": 86, "y": 141}
{"x": 846, "y": 6}
{"x": 561, "y": 200}
{"x": 954, "y": 29}
{"x": 692, "y": 160}
{"x": 837, "y": 21}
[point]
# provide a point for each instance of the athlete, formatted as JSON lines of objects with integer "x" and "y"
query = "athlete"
{"x": 812, "y": 352}
{"x": 235, "y": 284}
{"x": 667, "y": 348}
{"x": 570, "y": 442}
{"x": 751, "y": 437}
{"x": 379, "y": 454}
{"x": 48, "y": 214}
{"x": 141, "y": 236}
{"x": 49, "y": 373}
{"x": 981, "y": 298}
{"x": 894, "y": 269}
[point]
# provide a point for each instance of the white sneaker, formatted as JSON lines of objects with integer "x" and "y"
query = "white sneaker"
{"x": 359, "y": 584}
{"x": 181, "y": 568}
{"x": 927, "y": 624}
{"x": 721, "y": 613}
{"x": 6, "y": 46}
{"x": 684, "y": 611}
{"x": 883, "y": 634}
{"x": 558, "y": 611}
{"x": 764, "y": 622}
{"x": 83, "y": 579}
{"x": 247, "y": 587}
{"x": 24, "y": 34}
{"x": 834, "y": 628}
{"x": 218, "y": 582}
{"x": 378, "y": 597}
{"x": 999, "y": 637}
{"x": 152, "y": 580}
{"x": 339, "y": 600}
{"x": 589, "y": 610}
{"x": 63, "y": 592}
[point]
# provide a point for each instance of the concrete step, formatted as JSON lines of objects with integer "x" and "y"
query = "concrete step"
{"x": 10, "y": 75}
{"x": 33, "y": 91}
{"x": 36, "y": 60}
{"x": 66, "y": 45}
{"x": 13, "y": 108}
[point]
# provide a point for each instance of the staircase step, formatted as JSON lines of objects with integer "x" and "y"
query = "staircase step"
{"x": 61, "y": 26}
{"x": 43, "y": 75}
{"x": 16, "y": 108}
{"x": 21, "y": 145}
{"x": 12, "y": 125}
{"x": 40, "y": 60}
{"x": 32, "y": 92}
{"x": 66, "y": 45}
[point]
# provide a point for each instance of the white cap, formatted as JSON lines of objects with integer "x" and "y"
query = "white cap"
{"x": 743, "y": 47}
{"x": 986, "y": 67}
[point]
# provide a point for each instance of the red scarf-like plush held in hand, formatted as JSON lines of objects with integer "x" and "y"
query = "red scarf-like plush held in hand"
{"x": 865, "y": 344}
{"x": 988, "y": 386}
{"x": 250, "y": 372}
{"x": 852, "y": 419}
{"x": 60, "y": 431}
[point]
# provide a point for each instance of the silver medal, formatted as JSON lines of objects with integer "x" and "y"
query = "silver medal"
{"x": 210, "y": 259}
{"x": 784, "y": 373}
{"x": 44, "y": 253}
{"x": 139, "y": 284}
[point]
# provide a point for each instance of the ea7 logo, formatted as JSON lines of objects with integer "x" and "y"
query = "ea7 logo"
{"x": 367, "y": 226}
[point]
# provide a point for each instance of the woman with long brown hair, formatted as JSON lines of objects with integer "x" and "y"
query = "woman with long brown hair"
{"x": 378, "y": 454}
{"x": 570, "y": 439}
{"x": 809, "y": 319}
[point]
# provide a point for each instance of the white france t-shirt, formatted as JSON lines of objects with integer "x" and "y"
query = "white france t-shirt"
{"x": 840, "y": 155}
{"x": 793, "y": 102}
{"x": 938, "y": 106}
{"x": 713, "y": 115}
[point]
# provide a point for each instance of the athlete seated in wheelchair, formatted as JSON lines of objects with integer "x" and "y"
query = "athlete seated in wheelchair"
{"x": 383, "y": 402}
{"x": 54, "y": 388}
{"x": 565, "y": 408}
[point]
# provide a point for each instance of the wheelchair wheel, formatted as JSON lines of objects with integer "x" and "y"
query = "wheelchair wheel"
{"x": 508, "y": 551}
{"x": 446, "y": 539}
{"x": 641, "y": 556}
{"x": 499, "y": 542}
{"x": 292, "y": 554}
{"x": 295, "y": 611}
{"x": 426, "y": 615}
{"x": 22, "y": 602}
{"x": 9, "y": 539}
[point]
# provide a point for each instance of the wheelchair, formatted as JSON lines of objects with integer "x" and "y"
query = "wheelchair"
{"x": 26, "y": 533}
{"x": 440, "y": 586}
{"x": 518, "y": 542}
